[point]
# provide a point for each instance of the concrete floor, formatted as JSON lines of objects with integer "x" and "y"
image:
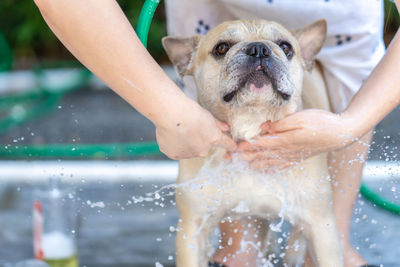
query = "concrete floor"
{"x": 126, "y": 234}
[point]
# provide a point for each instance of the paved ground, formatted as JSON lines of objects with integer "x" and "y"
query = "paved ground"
{"x": 126, "y": 234}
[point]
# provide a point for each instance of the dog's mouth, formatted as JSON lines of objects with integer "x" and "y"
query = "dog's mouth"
{"x": 258, "y": 80}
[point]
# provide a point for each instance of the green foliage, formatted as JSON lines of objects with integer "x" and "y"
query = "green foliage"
{"x": 30, "y": 38}
{"x": 157, "y": 28}
{"x": 392, "y": 18}
{"x": 24, "y": 28}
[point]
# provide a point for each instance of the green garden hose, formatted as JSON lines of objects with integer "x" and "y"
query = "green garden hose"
{"x": 79, "y": 151}
{"x": 379, "y": 201}
{"x": 145, "y": 18}
{"x": 6, "y": 58}
{"x": 108, "y": 151}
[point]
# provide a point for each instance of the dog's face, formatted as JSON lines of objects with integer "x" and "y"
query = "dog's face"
{"x": 248, "y": 66}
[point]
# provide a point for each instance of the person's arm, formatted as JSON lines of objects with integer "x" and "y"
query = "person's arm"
{"x": 379, "y": 95}
{"x": 312, "y": 131}
{"x": 101, "y": 37}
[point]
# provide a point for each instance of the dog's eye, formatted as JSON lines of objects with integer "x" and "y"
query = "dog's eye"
{"x": 287, "y": 49}
{"x": 221, "y": 49}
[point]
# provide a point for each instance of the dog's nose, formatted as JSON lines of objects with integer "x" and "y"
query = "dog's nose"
{"x": 258, "y": 49}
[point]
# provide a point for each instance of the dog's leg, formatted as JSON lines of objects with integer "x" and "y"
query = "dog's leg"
{"x": 187, "y": 248}
{"x": 323, "y": 243}
{"x": 193, "y": 241}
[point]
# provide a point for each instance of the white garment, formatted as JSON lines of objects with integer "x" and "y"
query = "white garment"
{"x": 354, "y": 42}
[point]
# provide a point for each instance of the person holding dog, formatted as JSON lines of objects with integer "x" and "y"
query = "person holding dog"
{"x": 100, "y": 36}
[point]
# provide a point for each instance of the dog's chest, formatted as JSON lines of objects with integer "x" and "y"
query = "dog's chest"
{"x": 245, "y": 122}
{"x": 236, "y": 190}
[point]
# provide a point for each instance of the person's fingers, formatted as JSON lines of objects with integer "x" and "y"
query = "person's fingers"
{"x": 265, "y": 127}
{"x": 228, "y": 157}
{"x": 258, "y": 165}
{"x": 289, "y": 123}
{"x": 249, "y": 155}
{"x": 284, "y": 141}
{"x": 267, "y": 142}
{"x": 286, "y": 165}
{"x": 245, "y": 146}
{"x": 270, "y": 166}
{"x": 254, "y": 146}
{"x": 266, "y": 165}
{"x": 227, "y": 143}
{"x": 270, "y": 158}
{"x": 223, "y": 126}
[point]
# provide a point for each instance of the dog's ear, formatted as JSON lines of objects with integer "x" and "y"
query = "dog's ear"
{"x": 311, "y": 39}
{"x": 180, "y": 51}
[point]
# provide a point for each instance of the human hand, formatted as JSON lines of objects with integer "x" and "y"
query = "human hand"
{"x": 193, "y": 134}
{"x": 297, "y": 137}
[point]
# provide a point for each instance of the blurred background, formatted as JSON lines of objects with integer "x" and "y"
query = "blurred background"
{"x": 59, "y": 121}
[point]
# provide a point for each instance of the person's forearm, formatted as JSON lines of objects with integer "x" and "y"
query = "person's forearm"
{"x": 380, "y": 93}
{"x": 100, "y": 36}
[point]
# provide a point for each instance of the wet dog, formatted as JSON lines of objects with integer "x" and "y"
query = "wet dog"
{"x": 246, "y": 73}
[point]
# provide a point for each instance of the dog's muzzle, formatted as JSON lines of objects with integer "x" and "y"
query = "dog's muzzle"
{"x": 260, "y": 67}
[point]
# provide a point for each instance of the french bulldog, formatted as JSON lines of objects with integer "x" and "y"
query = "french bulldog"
{"x": 248, "y": 72}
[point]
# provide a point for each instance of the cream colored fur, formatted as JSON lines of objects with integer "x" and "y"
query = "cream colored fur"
{"x": 210, "y": 189}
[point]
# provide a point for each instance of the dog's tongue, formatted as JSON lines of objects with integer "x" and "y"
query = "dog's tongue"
{"x": 258, "y": 81}
{"x": 258, "y": 87}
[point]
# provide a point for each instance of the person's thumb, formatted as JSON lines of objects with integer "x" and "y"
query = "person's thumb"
{"x": 223, "y": 126}
{"x": 266, "y": 128}
{"x": 283, "y": 125}
{"x": 227, "y": 143}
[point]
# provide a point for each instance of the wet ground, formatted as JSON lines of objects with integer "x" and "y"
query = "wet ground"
{"x": 126, "y": 234}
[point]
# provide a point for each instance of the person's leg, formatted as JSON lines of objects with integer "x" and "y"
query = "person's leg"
{"x": 346, "y": 171}
{"x": 345, "y": 167}
{"x": 238, "y": 246}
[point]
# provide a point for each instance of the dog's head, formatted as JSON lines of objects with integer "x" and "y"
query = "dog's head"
{"x": 248, "y": 69}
